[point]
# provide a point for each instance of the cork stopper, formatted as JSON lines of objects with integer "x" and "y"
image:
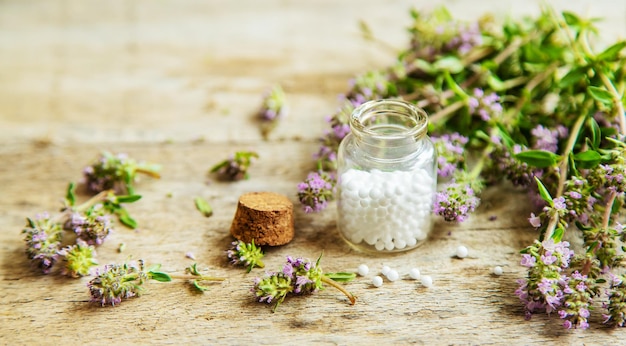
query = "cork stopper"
{"x": 265, "y": 217}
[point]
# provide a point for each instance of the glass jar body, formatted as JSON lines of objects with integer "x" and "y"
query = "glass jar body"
{"x": 386, "y": 178}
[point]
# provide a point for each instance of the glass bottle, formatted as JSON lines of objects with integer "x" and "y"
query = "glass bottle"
{"x": 386, "y": 177}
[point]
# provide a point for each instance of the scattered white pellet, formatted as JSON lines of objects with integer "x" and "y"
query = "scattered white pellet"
{"x": 427, "y": 281}
{"x": 377, "y": 281}
{"x": 363, "y": 270}
{"x": 392, "y": 275}
{"x": 461, "y": 251}
{"x": 385, "y": 270}
{"x": 414, "y": 273}
{"x": 497, "y": 270}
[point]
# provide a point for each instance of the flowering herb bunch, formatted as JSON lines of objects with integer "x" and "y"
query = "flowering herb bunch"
{"x": 273, "y": 109}
{"x": 90, "y": 222}
{"x": 117, "y": 172}
{"x": 534, "y": 104}
{"x": 298, "y": 277}
{"x": 235, "y": 167}
{"x": 116, "y": 282}
{"x": 245, "y": 254}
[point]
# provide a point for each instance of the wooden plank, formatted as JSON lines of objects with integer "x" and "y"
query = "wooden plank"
{"x": 176, "y": 83}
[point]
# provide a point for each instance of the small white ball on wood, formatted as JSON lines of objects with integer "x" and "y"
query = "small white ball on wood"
{"x": 363, "y": 270}
{"x": 461, "y": 251}
{"x": 377, "y": 281}
{"x": 414, "y": 273}
{"x": 427, "y": 281}
{"x": 392, "y": 275}
{"x": 497, "y": 270}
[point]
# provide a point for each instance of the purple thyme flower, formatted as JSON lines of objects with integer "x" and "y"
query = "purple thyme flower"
{"x": 299, "y": 276}
{"x": 546, "y": 139}
{"x": 468, "y": 37}
{"x": 559, "y": 204}
{"x": 485, "y": 106}
{"x": 546, "y": 288}
{"x": 116, "y": 172}
{"x": 371, "y": 85}
{"x": 578, "y": 291}
{"x": 272, "y": 110}
{"x": 235, "y": 167}
{"x": 316, "y": 191}
{"x": 616, "y": 300}
{"x": 455, "y": 202}
{"x": 92, "y": 226}
{"x": 43, "y": 241}
{"x": 505, "y": 164}
{"x": 78, "y": 258}
{"x": 246, "y": 254}
{"x": 528, "y": 260}
{"x": 116, "y": 282}
{"x": 535, "y": 221}
{"x": 273, "y": 107}
{"x": 450, "y": 149}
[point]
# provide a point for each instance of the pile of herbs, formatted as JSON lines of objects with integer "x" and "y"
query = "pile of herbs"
{"x": 532, "y": 102}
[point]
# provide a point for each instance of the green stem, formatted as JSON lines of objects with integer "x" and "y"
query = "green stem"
{"x": 340, "y": 288}
{"x": 563, "y": 169}
{"x": 617, "y": 99}
{"x": 196, "y": 277}
{"x": 608, "y": 209}
{"x": 445, "y": 113}
{"x": 149, "y": 172}
{"x": 93, "y": 200}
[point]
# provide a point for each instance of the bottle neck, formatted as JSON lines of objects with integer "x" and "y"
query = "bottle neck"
{"x": 389, "y": 129}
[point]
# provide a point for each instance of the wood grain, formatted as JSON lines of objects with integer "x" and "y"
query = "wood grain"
{"x": 176, "y": 83}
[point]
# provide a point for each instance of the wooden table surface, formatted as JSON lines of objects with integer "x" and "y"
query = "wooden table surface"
{"x": 177, "y": 83}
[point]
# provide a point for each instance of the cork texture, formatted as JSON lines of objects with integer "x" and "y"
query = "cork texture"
{"x": 265, "y": 217}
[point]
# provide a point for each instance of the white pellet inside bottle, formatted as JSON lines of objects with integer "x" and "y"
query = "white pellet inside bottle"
{"x": 386, "y": 178}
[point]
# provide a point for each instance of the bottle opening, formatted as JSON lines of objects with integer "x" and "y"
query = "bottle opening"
{"x": 389, "y": 120}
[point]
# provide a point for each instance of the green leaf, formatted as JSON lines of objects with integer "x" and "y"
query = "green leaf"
{"x": 581, "y": 226}
{"x": 193, "y": 269}
{"x": 611, "y": 53}
{"x": 155, "y": 267}
{"x": 600, "y": 281}
{"x": 557, "y": 236}
{"x": 160, "y": 276}
{"x": 588, "y": 159}
{"x": 424, "y": 66}
{"x": 451, "y": 64}
{"x": 126, "y": 219}
{"x": 617, "y": 205}
{"x": 538, "y": 158}
{"x": 219, "y": 166}
{"x": 495, "y": 82}
{"x": 70, "y": 196}
{"x": 573, "y": 77}
{"x": 571, "y": 18}
{"x": 543, "y": 191}
{"x": 454, "y": 86}
{"x": 203, "y": 207}
{"x": 341, "y": 276}
{"x": 592, "y": 247}
{"x": 199, "y": 287}
{"x": 506, "y": 138}
{"x": 600, "y": 94}
{"x": 596, "y": 133}
{"x": 128, "y": 198}
{"x": 31, "y": 223}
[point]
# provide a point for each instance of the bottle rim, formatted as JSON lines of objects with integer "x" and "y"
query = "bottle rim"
{"x": 415, "y": 119}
